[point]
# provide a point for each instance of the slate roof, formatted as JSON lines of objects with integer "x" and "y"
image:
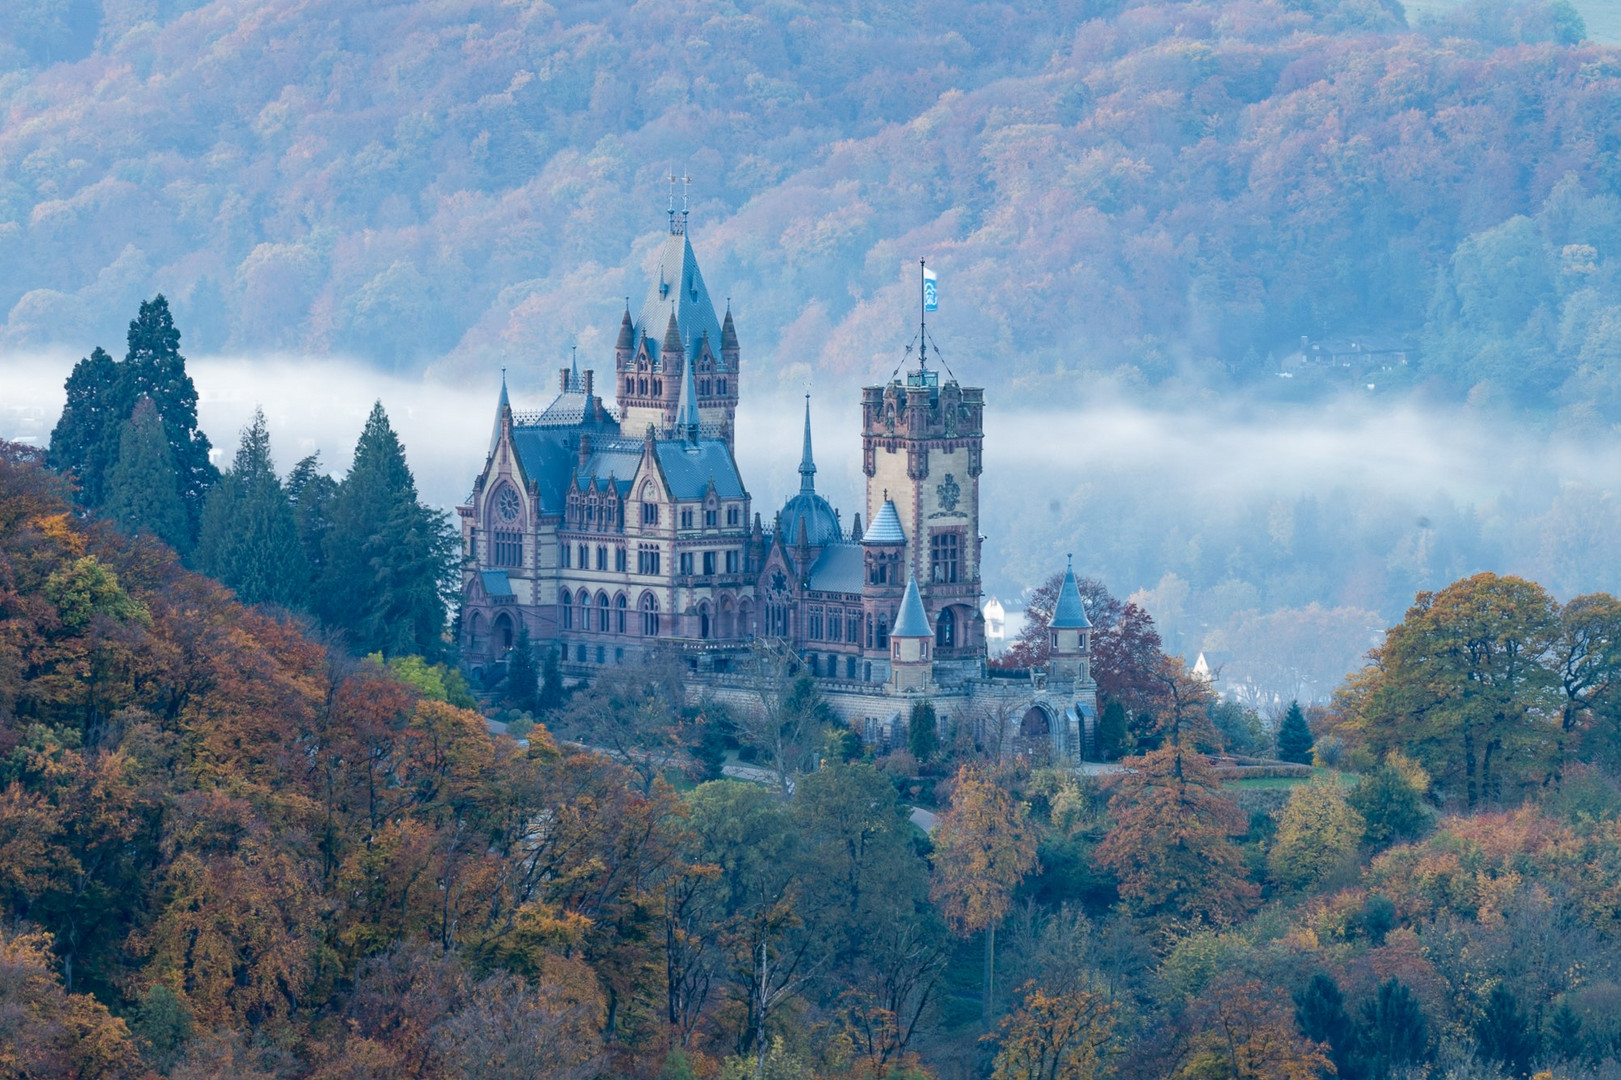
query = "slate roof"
{"x": 501, "y": 405}
{"x": 548, "y": 461}
{"x": 911, "y": 621}
{"x": 496, "y": 583}
{"x": 821, "y": 523}
{"x": 677, "y": 286}
{"x": 839, "y": 569}
{"x": 886, "y": 527}
{"x": 1069, "y": 613}
{"x": 689, "y": 466}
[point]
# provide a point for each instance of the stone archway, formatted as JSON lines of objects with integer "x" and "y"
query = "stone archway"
{"x": 1034, "y": 738}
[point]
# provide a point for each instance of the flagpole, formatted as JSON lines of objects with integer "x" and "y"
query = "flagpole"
{"x": 922, "y": 318}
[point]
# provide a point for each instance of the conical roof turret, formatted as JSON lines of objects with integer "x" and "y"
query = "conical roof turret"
{"x": 885, "y": 527}
{"x": 728, "y": 332}
{"x": 1069, "y": 613}
{"x": 627, "y": 331}
{"x": 912, "y": 621}
{"x": 672, "y": 341}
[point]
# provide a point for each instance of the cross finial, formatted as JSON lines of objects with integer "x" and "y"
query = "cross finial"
{"x": 670, "y": 176}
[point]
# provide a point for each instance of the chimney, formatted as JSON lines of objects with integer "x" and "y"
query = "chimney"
{"x": 586, "y": 374}
{"x": 585, "y": 449}
{"x": 562, "y": 381}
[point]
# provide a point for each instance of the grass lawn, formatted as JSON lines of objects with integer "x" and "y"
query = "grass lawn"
{"x": 1279, "y": 782}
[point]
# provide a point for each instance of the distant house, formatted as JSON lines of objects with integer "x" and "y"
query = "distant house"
{"x": 1358, "y": 353}
{"x": 995, "y": 620}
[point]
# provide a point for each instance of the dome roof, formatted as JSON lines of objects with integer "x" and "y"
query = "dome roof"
{"x": 808, "y": 508}
{"x": 821, "y": 523}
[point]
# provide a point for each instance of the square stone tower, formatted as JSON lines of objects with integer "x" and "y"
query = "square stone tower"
{"x": 922, "y": 443}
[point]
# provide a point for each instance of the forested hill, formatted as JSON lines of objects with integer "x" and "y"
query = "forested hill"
{"x": 1149, "y": 189}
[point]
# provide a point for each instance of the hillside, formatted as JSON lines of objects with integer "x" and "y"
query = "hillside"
{"x": 1149, "y": 190}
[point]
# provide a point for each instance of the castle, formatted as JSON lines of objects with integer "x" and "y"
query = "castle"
{"x": 609, "y": 528}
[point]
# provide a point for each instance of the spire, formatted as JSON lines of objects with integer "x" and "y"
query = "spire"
{"x": 686, "y": 413}
{"x": 574, "y": 368}
{"x": 1069, "y": 613}
{"x": 502, "y": 406}
{"x": 885, "y": 527}
{"x": 807, "y": 467}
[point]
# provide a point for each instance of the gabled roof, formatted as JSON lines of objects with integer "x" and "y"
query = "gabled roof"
{"x": 690, "y": 466}
{"x": 677, "y": 287}
{"x": 839, "y": 569}
{"x": 886, "y": 527}
{"x": 911, "y": 621}
{"x": 496, "y": 583}
{"x": 1069, "y": 613}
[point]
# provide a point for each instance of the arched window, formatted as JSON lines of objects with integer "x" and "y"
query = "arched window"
{"x": 602, "y": 612}
{"x": 619, "y": 614}
{"x": 585, "y": 610}
{"x": 883, "y": 631}
{"x": 475, "y": 623}
{"x": 567, "y": 606}
{"x": 503, "y": 631}
{"x": 703, "y": 620}
{"x": 650, "y": 615}
{"x": 945, "y": 630}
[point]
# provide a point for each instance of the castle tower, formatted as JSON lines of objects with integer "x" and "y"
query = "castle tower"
{"x": 675, "y": 329}
{"x": 911, "y": 644}
{"x": 921, "y": 449}
{"x": 1070, "y": 634}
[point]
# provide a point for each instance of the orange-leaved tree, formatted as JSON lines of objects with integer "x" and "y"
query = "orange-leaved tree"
{"x": 1055, "y": 1036}
{"x": 1246, "y": 1031}
{"x": 1170, "y": 844}
{"x": 983, "y": 847}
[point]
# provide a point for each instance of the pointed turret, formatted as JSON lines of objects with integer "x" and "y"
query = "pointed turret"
{"x": 886, "y": 527}
{"x": 1069, "y": 613}
{"x": 502, "y": 407}
{"x": 728, "y": 332}
{"x": 807, "y": 465}
{"x": 627, "y": 331}
{"x": 911, "y": 621}
{"x": 672, "y": 342}
{"x": 687, "y": 419}
{"x": 855, "y": 528}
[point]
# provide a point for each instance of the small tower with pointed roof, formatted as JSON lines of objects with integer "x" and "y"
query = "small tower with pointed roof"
{"x": 911, "y": 644}
{"x": 1070, "y": 633}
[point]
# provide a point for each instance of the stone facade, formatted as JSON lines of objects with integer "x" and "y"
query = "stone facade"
{"x": 609, "y": 529}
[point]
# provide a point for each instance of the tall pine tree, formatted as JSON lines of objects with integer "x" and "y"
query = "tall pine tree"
{"x": 1294, "y": 736}
{"x": 249, "y": 538}
{"x": 141, "y": 495}
{"x": 388, "y": 557}
{"x": 101, "y": 396}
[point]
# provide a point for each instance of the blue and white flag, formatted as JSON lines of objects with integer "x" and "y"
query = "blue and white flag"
{"x": 931, "y": 291}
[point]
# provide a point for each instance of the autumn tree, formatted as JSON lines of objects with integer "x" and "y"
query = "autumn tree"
{"x": 984, "y": 845}
{"x": 1319, "y": 834}
{"x": 1169, "y": 843}
{"x": 1245, "y": 1032}
{"x": 1587, "y": 663}
{"x": 1464, "y": 685}
{"x": 49, "y": 1033}
{"x": 1055, "y": 1036}
{"x": 1390, "y": 800}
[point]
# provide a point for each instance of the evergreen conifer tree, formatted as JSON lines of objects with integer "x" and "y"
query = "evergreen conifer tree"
{"x": 1112, "y": 730}
{"x": 523, "y": 677}
{"x": 101, "y": 396}
{"x": 922, "y": 731}
{"x": 1294, "y": 737}
{"x": 249, "y": 538}
{"x": 1394, "y": 1031}
{"x": 311, "y": 492}
{"x": 141, "y": 494}
{"x": 551, "y": 681}
{"x": 1320, "y": 1012}
{"x": 1505, "y": 1032}
{"x": 387, "y": 556}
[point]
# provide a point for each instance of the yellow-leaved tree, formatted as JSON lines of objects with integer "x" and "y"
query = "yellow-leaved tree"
{"x": 1318, "y": 833}
{"x": 983, "y": 848}
{"x": 1055, "y": 1036}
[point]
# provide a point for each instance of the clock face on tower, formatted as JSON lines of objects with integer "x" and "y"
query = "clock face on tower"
{"x": 506, "y": 504}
